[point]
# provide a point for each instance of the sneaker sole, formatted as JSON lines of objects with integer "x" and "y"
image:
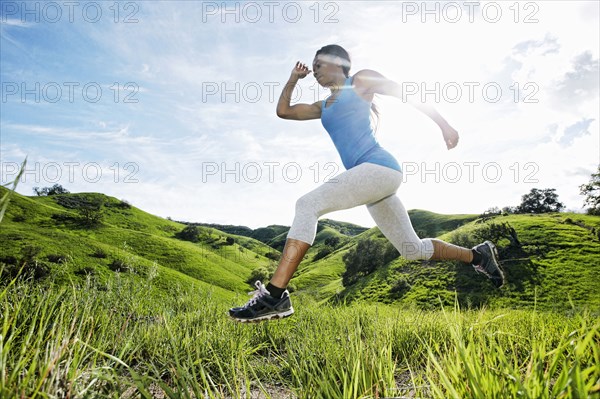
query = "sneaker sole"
{"x": 273, "y": 316}
{"x": 496, "y": 257}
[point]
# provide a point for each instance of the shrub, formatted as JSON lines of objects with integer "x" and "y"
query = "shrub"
{"x": 189, "y": 233}
{"x": 62, "y": 217}
{"x": 28, "y": 261}
{"x": 323, "y": 252}
{"x": 57, "y": 258}
{"x": 99, "y": 253}
{"x": 509, "y": 209}
{"x": 485, "y": 231}
{"x": 124, "y": 204}
{"x": 332, "y": 241}
{"x": 88, "y": 207}
{"x": 259, "y": 274}
{"x": 401, "y": 287}
{"x": 119, "y": 265}
{"x": 390, "y": 253}
{"x": 86, "y": 270}
{"x": 29, "y": 254}
{"x": 19, "y": 218}
{"x": 491, "y": 213}
{"x": 9, "y": 260}
{"x": 362, "y": 260}
{"x": 591, "y": 191}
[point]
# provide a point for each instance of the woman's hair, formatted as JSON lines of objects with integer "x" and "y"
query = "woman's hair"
{"x": 339, "y": 51}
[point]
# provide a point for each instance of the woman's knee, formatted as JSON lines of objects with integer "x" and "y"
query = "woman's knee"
{"x": 304, "y": 225}
{"x": 306, "y": 206}
{"x": 422, "y": 249}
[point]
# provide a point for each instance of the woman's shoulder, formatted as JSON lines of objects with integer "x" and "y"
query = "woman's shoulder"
{"x": 365, "y": 80}
{"x": 365, "y": 76}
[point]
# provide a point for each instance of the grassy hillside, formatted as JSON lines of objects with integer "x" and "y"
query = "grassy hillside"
{"x": 51, "y": 236}
{"x": 323, "y": 276}
{"x": 553, "y": 260}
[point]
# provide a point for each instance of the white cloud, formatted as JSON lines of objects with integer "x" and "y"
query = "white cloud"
{"x": 14, "y": 22}
{"x": 175, "y": 132}
{"x": 574, "y": 131}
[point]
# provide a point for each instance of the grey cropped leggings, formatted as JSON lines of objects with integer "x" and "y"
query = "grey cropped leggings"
{"x": 370, "y": 184}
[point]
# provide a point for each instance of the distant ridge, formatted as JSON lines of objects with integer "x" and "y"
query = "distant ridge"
{"x": 272, "y": 234}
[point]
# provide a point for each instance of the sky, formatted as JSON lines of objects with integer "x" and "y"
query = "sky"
{"x": 171, "y": 105}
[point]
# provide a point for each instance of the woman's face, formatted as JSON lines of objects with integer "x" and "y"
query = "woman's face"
{"x": 326, "y": 70}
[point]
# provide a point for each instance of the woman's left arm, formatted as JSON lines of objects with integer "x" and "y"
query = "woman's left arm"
{"x": 371, "y": 82}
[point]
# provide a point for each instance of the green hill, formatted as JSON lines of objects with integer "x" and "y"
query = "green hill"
{"x": 430, "y": 224}
{"x": 52, "y": 235}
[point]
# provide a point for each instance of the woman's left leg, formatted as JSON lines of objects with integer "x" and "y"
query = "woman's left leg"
{"x": 393, "y": 221}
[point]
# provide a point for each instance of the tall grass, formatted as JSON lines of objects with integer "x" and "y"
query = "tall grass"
{"x": 124, "y": 340}
{"x": 548, "y": 361}
{"x": 5, "y": 199}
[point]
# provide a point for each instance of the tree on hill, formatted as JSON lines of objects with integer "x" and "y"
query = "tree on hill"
{"x": 591, "y": 191}
{"x": 189, "y": 233}
{"x": 540, "y": 201}
{"x": 54, "y": 190}
{"x": 363, "y": 260}
{"x": 330, "y": 244}
{"x": 90, "y": 211}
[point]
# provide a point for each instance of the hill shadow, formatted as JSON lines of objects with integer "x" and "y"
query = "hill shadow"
{"x": 473, "y": 290}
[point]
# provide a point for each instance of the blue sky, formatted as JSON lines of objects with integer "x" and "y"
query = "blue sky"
{"x": 171, "y": 105}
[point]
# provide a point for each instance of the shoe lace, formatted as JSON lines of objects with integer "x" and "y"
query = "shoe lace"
{"x": 260, "y": 292}
{"x": 480, "y": 269}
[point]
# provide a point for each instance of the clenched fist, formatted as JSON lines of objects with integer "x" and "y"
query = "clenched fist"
{"x": 300, "y": 70}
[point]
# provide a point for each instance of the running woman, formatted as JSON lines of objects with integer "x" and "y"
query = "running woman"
{"x": 371, "y": 178}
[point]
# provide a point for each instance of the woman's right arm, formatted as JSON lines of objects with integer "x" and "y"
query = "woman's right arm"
{"x": 299, "y": 112}
{"x": 375, "y": 83}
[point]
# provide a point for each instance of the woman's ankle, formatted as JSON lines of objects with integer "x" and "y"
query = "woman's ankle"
{"x": 276, "y": 292}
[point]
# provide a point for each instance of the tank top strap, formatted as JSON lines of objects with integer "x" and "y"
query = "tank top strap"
{"x": 347, "y": 85}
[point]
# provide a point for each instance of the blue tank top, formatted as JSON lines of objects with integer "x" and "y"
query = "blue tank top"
{"x": 347, "y": 121}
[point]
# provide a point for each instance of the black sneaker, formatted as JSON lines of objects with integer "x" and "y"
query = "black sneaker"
{"x": 490, "y": 266}
{"x": 262, "y": 306}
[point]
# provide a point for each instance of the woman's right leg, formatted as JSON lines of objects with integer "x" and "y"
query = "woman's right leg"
{"x": 293, "y": 253}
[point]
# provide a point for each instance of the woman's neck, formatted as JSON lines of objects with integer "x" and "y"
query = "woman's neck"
{"x": 339, "y": 83}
